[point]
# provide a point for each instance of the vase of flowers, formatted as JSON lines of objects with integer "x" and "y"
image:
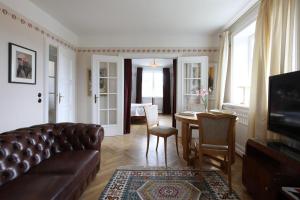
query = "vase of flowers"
{"x": 203, "y": 94}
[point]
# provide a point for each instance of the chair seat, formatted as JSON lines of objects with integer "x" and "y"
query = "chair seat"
{"x": 163, "y": 131}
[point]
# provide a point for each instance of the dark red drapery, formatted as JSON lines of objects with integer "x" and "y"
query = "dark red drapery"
{"x": 127, "y": 94}
{"x": 166, "y": 91}
{"x": 174, "y": 91}
{"x": 139, "y": 80}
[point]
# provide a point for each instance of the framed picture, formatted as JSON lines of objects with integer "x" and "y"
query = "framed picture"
{"x": 212, "y": 79}
{"x": 22, "y": 64}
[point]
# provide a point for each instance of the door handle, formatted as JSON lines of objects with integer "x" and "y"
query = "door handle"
{"x": 95, "y": 98}
{"x": 59, "y": 98}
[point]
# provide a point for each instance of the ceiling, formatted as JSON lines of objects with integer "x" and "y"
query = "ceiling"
{"x": 143, "y": 17}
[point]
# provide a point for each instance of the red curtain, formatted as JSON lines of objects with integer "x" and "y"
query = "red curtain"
{"x": 127, "y": 94}
{"x": 174, "y": 91}
{"x": 166, "y": 91}
{"x": 139, "y": 80}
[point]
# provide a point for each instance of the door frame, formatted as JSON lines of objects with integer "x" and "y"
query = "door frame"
{"x": 159, "y": 56}
{"x": 95, "y": 59}
{"x": 45, "y": 93}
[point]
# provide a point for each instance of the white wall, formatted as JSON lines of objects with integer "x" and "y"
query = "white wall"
{"x": 19, "y": 105}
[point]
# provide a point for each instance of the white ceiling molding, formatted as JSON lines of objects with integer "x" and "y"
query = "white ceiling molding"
{"x": 37, "y": 15}
{"x": 242, "y": 11}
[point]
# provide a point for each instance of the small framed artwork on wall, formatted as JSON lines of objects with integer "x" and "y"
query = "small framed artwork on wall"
{"x": 212, "y": 79}
{"x": 22, "y": 65}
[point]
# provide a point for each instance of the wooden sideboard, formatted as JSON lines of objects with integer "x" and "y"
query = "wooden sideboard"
{"x": 266, "y": 170}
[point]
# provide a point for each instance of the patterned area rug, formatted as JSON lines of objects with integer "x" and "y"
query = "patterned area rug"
{"x": 140, "y": 183}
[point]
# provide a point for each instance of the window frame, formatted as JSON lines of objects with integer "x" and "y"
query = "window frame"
{"x": 232, "y": 44}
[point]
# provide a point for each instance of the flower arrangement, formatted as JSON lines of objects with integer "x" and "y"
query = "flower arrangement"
{"x": 203, "y": 94}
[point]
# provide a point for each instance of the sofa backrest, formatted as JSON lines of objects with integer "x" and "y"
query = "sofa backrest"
{"x": 24, "y": 148}
{"x": 19, "y": 151}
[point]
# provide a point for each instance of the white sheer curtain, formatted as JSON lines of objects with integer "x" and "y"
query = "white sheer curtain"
{"x": 273, "y": 52}
{"x": 222, "y": 69}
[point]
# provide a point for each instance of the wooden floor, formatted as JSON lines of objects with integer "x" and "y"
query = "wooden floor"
{"x": 131, "y": 149}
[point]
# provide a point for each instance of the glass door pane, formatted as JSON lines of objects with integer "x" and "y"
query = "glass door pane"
{"x": 108, "y": 84}
{"x": 52, "y": 82}
{"x": 103, "y": 102}
{"x": 112, "y": 69}
{"x": 192, "y": 83}
{"x": 112, "y": 117}
{"x": 103, "y": 117}
{"x": 112, "y": 101}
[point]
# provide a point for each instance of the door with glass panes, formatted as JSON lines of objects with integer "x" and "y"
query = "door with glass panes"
{"x": 107, "y": 87}
{"x": 192, "y": 77}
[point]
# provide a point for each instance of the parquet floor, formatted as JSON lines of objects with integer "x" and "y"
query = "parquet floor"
{"x": 131, "y": 149}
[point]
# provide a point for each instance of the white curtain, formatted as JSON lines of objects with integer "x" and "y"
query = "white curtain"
{"x": 272, "y": 55}
{"x": 222, "y": 69}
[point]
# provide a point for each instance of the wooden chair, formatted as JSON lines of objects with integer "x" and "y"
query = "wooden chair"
{"x": 216, "y": 136}
{"x": 153, "y": 128}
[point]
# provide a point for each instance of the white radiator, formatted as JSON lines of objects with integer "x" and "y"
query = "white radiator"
{"x": 241, "y": 126}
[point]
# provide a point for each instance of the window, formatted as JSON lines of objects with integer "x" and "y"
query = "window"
{"x": 152, "y": 85}
{"x": 242, "y": 56}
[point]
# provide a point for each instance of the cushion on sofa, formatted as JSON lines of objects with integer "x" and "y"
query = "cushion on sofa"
{"x": 36, "y": 187}
{"x": 78, "y": 164}
{"x": 69, "y": 162}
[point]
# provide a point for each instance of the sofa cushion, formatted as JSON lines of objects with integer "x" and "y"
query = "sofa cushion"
{"x": 69, "y": 162}
{"x": 36, "y": 187}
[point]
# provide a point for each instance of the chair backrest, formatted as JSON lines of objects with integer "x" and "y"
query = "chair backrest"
{"x": 151, "y": 113}
{"x": 216, "y": 128}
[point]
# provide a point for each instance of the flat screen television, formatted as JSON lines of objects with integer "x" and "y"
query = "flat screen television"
{"x": 284, "y": 104}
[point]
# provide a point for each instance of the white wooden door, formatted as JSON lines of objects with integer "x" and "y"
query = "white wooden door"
{"x": 192, "y": 76}
{"x": 108, "y": 97}
{"x": 65, "y": 91}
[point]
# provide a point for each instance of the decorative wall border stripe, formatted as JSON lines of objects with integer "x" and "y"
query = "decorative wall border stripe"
{"x": 147, "y": 50}
{"x": 31, "y": 25}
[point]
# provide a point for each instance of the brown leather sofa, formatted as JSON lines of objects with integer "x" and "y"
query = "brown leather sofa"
{"x": 50, "y": 161}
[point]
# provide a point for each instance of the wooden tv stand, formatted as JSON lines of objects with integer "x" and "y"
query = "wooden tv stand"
{"x": 266, "y": 170}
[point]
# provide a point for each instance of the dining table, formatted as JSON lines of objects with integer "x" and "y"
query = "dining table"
{"x": 187, "y": 120}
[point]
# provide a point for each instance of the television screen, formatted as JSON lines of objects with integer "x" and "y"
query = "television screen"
{"x": 284, "y": 104}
